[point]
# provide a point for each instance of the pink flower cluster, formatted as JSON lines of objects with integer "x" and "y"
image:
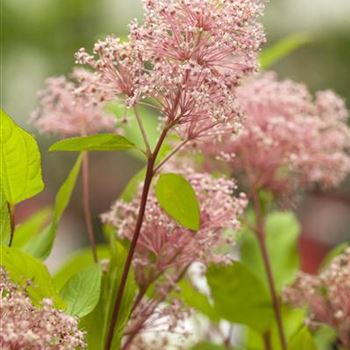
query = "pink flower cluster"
{"x": 24, "y": 326}
{"x": 66, "y": 109}
{"x": 327, "y": 296}
{"x": 163, "y": 243}
{"x": 288, "y": 139}
{"x": 186, "y": 60}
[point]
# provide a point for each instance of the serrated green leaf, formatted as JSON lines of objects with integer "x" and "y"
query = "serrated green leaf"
{"x": 82, "y": 291}
{"x": 239, "y": 296}
{"x": 30, "y": 273}
{"x": 20, "y": 170}
{"x": 78, "y": 262}
{"x": 302, "y": 340}
{"x": 30, "y": 228}
{"x": 100, "y": 142}
{"x": 281, "y": 49}
{"x": 282, "y": 231}
{"x": 178, "y": 199}
{"x": 41, "y": 245}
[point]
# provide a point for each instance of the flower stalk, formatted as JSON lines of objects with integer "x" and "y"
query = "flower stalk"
{"x": 146, "y": 187}
{"x": 261, "y": 236}
{"x": 11, "y": 211}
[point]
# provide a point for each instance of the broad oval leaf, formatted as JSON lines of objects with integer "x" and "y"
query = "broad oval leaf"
{"x": 82, "y": 291}
{"x": 30, "y": 273}
{"x": 20, "y": 171}
{"x": 239, "y": 296}
{"x": 178, "y": 199}
{"x": 40, "y": 246}
{"x": 100, "y": 142}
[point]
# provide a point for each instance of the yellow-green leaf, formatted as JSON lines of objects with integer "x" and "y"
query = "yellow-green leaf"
{"x": 178, "y": 199}
{"x": 20, "y": 163}
{"x": 100, "y": 142}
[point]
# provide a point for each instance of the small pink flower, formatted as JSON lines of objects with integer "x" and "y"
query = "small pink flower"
{"x": 68, "y": 109}
{"x": 327, "y": 296}
{"x": 25, "y": 326}
{"x": 288, "y": 139}
{"x": 186, "y": 59}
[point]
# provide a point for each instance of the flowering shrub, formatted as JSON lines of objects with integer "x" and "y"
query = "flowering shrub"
{"x": 195, "y": 246}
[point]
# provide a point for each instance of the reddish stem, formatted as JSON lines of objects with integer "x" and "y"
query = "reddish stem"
{"x": 86, "y": 204}
{"x": 11, "y": 211}
{"x": 260, "y": 232}
{"x": 147, "y": 184}
{"x": 267, "y": 340}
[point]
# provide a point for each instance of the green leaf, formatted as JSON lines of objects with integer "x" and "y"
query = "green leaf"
{"x": 282, "y": 49}
{"x": 30, "y": 273}
{"x": 102, "y": 314}
{"x": 302, "y": 340}
{"x": 20, "y": 170}
{"x": 82, "y": 292}
{"x": 197, "y": 300}
{"x": 30, "y": 228}
{"x": 239, "y": 296}
{"x": 177, "y": 197}
{"x": 78, "y": 262}
{"x": 5, "y": 222}
{"x": 100, "y": 142}
{"x": 41, "y": 245}
{"x": 293, "y": 320}
{"x": 282, "y": 232}
{"x": 324, "y": 336}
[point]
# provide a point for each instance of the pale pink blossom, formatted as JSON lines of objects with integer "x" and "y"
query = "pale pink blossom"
{"x": 67, "y": 111}
{"x": 186, "y": 60}
{"x": 25, "y": 326}
{"x": 327, "y": 296}
{"x": 289, "y": 139}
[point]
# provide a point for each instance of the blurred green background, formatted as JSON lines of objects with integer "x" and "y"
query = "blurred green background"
{"x": 40, "y": 37}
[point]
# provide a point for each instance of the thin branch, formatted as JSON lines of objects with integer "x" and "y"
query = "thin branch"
{"x": 11, "y": 211}
{"x": 260, "y": 233}
{"x": 147, "y": 184}
{"x": 171, "y": 154}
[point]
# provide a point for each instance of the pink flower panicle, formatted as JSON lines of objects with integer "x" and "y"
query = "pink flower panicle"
{"x": 68, "y": 110}
{"x": 288, "y": 136}
{"x": 25, "y": 326}
{"x": 163, "y": 243}
{"x": 327, "y": 296}
{"x": 186, "y": 59}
